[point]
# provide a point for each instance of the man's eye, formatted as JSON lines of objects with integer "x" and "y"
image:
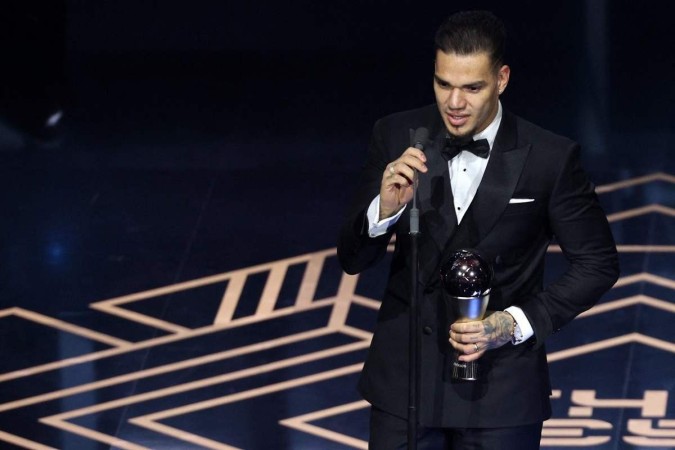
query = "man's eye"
{"x": 473, "y": 88}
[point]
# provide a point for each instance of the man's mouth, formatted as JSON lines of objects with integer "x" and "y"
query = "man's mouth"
{"x": 457, "y": 120}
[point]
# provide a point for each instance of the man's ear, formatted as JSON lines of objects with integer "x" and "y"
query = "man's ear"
{"x": 503, "y": 77}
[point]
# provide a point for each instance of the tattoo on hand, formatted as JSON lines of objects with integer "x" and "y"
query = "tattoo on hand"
{"x": 497, "y": 329}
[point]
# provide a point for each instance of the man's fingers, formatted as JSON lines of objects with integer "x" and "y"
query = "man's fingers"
{"x": 464, "y": 338}
{"x": 467, "y": 327}
{"x": 403, "y": 168}
{"x": 394, "y": 178}
{"x": 416, "y": 152}
{"x": 471, "y": 357}
{"x": 414, "y": 159}
{"x": 397, "y": 181}
{"x": 469, "y": 352}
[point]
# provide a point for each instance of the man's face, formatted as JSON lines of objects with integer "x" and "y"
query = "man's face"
{"x": 467, "y": 89}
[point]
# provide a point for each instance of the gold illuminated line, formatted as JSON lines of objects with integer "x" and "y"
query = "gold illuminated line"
{"x": 184, "y": 435}
{"x": 88, "y": 433}
{"x": 193, "y": 362}
{"x": 587, "y": 441}
{"x": 646, "y": 248}
{"x": 22, "y": 442}
{"x": 366, "y": 302}
{"x": 649, "y": 442}
{"x": 230, "y": 300}
{"x": 641, "y": 211}
{"x": 7, "y": 312}
{"x": 210, "y": 279}
{"x": 555, "y": 432}
{"x": 554, "y": 248}
{"x": 343, "y": 301}
{"x": 356, "y": 332}
{"x": 329, "y": 412}
{"x": 656, "y": 406}
{"x": 228, "y": 303}
{"x": 226, "y": 309}
{"x": 627, "y": 302}
{"x": 289, "y": 310}
{"x": 64, "y": 326}
{"x": 310, "y": 280}
{"x": 148, "y": 421}
{"x": 140, "y": 318}
{"x": 331, "y": 435}
{"x": 658, "y": 176}
{"x": 269, "y": 296}
{"x": 584, "y": 423}
{"x": 645, "y": 277}
{"x": 609, "y": 343}
{"x": 257, "y": 392}
{"x": 211, "y": 381}
{"x": 155, "y": 342}
{"x": 301, "y": 423}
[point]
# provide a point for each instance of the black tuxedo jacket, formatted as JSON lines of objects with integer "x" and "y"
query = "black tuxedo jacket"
{"x": 526, "y": 162}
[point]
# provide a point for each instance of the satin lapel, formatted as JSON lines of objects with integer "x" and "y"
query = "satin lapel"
{"x": 500, "y": 178}
{"x": 438, "y": 221}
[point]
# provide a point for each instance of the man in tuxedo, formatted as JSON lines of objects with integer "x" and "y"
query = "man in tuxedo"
{"x": 489, "y": 181}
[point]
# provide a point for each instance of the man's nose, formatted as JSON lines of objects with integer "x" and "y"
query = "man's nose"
{"x": 455, "y": 99}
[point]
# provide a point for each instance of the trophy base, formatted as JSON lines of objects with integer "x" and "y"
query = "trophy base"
{"x": 466, "y": 371}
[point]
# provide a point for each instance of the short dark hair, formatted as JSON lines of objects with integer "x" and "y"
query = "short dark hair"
{"x": 468, "y": 32}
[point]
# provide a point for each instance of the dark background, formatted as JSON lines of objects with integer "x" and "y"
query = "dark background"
{"x": 204, "y": 136}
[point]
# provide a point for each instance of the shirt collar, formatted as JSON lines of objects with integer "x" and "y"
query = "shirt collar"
{"x": 490, "y": 133}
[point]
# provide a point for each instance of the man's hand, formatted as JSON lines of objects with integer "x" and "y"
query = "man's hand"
{"x": 472, "y": 339}
{"x": 396, "y": 188}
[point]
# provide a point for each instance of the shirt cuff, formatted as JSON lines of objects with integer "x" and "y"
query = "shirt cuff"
{"x": 523, "y": 330}
{"x": 379, "y": 227}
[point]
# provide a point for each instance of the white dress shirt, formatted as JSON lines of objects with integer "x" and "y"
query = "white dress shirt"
{"x": 466, "y": 172}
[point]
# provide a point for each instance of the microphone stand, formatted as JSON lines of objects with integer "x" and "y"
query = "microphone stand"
{"x": 414, "y": 325}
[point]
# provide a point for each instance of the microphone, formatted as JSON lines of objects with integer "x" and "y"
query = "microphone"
{"x": 419, "y": 140}
{"x": 421, "y": 137}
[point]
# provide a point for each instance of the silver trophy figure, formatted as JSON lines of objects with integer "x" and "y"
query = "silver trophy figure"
{"x": 467, "y": 279}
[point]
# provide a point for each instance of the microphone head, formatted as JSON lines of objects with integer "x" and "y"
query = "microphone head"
{"x": 421, "y": 137}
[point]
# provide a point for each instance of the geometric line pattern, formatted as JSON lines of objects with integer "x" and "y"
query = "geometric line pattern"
{"x": 299, "y": 336}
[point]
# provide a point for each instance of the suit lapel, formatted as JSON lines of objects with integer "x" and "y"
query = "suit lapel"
{"x": 438, "y": 221}
{"x": 500, "y": 178}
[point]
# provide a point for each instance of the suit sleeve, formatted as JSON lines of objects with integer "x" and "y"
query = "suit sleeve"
{"x": 582, "y": 231}
{"x": 356, "y": 250}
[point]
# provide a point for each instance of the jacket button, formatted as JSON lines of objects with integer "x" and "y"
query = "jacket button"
{"x": 427, "y": 330}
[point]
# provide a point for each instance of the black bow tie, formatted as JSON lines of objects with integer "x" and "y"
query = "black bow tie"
{"x": 454, "y": 147}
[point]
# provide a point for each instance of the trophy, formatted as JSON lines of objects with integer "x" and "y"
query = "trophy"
{"x": 466, "y": 279}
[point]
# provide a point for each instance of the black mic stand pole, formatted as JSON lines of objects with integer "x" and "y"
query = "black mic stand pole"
{"x": 413, "y": 350}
